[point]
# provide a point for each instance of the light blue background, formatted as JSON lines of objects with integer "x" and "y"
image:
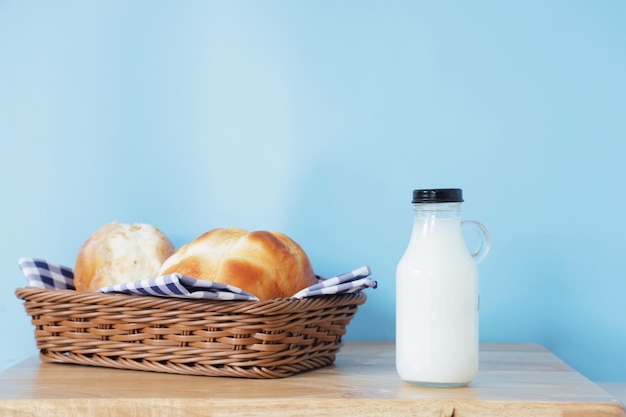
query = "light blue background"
{"x": 318, "y": 119}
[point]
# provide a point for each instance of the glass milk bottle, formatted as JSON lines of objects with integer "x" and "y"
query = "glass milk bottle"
{"x": 437, "y": 297}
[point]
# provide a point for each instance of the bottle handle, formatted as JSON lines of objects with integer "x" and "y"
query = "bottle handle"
{"x": 484, "y": 239}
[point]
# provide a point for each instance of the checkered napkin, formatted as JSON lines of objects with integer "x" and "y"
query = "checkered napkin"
{"x": 47, "y": 275}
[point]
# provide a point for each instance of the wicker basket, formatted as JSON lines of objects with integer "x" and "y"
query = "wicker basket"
{"x": 250, "y": 339}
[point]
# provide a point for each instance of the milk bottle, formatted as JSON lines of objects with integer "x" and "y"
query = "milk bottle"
{"x": 437, "y": 297}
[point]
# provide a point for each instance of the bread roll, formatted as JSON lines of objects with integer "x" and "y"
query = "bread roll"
{"x": 118, "y": 253}
{"x": 266, "y": 264}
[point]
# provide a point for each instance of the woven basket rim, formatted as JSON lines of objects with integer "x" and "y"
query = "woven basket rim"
{"x": 274, "y": 306}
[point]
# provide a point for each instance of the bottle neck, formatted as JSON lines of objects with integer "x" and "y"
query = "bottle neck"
{"x": 445, "y": 210}
{"x": 437, "y": 220}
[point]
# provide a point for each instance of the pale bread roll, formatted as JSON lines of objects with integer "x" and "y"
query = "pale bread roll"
{"x": 118, "y": 253}
{"x": 266, "y": 264}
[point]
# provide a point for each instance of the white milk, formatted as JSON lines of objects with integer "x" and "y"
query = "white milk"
{"x": 437, "y": 302}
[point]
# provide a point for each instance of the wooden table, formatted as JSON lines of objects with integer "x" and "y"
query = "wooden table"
{"x": 515, "y": 380}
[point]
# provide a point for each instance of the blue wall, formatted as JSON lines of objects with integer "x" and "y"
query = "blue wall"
{"x": 318, "y": 119}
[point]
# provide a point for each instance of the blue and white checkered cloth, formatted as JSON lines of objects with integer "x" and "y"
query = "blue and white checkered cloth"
{"x": 50, "y": 276}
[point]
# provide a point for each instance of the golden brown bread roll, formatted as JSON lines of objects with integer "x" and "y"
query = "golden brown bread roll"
{"x": 266, "y": 264}
{"x": 118, "y": 253}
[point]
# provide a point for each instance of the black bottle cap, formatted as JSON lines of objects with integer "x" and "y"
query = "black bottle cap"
{"x": 438, "y": 195}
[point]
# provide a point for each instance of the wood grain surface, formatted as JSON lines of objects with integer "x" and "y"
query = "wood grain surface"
{"x": 515, "y": 380}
